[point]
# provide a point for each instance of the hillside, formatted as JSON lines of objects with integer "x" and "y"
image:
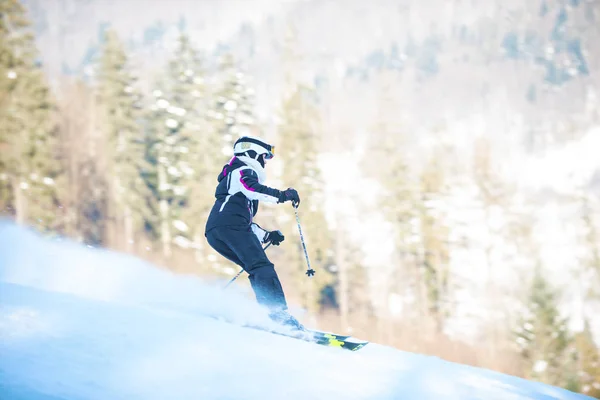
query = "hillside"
{"x": 80, "y": 323}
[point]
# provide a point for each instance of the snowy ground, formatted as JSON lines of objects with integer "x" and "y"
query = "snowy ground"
{"x": 79, "y": 323}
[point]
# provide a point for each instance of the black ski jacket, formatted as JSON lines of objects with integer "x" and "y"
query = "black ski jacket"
{"x": 237, "y": 196}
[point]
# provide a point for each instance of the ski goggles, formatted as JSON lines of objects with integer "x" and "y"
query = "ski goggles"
{"x": 271, "y": 153}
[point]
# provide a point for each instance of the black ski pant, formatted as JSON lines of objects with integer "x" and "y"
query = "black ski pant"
{"x": 241, "y": 246}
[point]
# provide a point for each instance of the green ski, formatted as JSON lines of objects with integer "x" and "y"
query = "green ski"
{"x": 334, "y": 340}
{"x": 321, "y": 338}
{"x": 315, "y": 336}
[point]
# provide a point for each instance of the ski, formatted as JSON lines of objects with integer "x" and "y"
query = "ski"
{"x": 322, "y": 338}
{"x": 335, "y": 340}
{"x": 315, "y": 336}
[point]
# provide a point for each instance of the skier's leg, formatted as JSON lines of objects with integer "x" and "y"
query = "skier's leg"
{"x": 222, "y": 248}
{"x": 263, "y": 278}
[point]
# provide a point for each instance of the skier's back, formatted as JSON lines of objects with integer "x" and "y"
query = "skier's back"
{"x": 231, "y": 232}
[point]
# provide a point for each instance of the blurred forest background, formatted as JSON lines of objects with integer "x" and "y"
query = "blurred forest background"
{"x": 447, "y": 153}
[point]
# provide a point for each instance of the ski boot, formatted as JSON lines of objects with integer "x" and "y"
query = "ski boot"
{"x": 284, "y": 318}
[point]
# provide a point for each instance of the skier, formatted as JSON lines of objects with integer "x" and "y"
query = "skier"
{"x": 231, "y": 232}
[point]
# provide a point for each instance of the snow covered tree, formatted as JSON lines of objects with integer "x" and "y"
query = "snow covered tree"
{"x": 232, "y": 111}
{"x": 299, "y": 144}
{"x": 28, "y": 173}
{"x": 542, "y": 336}
{"x": 399, "y": 200}
{"x": 119, "y": 102}
{"x": 203, "y": 159}
{"x": 177, "y": 138}
{"x": 434, "y": 253}
{"x": 162, "y": 176}
{"x": 588, "y": 352}
{"x": 504, "y": 239}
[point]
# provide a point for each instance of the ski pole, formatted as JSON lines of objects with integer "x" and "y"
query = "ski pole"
{"x": 242, "y": 270}
{"x": 310, "y": 272}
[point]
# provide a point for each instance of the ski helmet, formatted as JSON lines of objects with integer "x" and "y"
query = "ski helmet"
{"x": 253, "y": 147}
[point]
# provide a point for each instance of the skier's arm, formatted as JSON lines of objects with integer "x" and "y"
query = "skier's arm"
{"x": 254, "y": 190}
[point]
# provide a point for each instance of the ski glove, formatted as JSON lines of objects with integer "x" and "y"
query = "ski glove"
{"x": 275, "y": 237}
{"x": 290, "y": 194}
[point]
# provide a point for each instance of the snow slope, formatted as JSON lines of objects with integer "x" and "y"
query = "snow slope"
{"x": 79, "y": 323}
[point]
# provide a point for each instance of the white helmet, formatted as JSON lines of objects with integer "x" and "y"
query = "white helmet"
{"x": 247, "y": 144}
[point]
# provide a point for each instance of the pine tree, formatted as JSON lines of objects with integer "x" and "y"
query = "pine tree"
{"x": 203, "y": 157}
{"x": 505, "y": 224}
{"x": 232, "y": 111}
{"x": 177, "y": 139}
{"x": 28, "y": 174}
{"x": 434, "y": 252}
{"x": 588, "y": 352}
{"x": 157, "y": 221}
{"x": 120, "y": 104}
{"x": 399, "y": 201}
{"x": 588, "y": 362}
{"x": 542, "y": 335}
{"x": 299, "y": 144}
{"x": 360, "y": 307}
